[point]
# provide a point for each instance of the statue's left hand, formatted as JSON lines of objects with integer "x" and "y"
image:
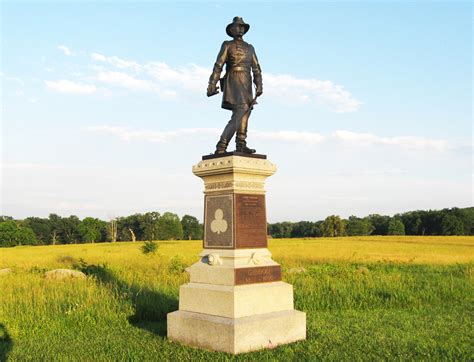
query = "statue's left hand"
{"x": 212, "y": 90}
{"x": 259, "y": 91}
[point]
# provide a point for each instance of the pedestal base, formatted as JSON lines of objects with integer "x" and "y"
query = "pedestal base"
{"x": 237, "y": 335}
{"x": 236, "y": 301}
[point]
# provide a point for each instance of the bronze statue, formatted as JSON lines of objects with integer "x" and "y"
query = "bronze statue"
{"x": 239, "y": 58}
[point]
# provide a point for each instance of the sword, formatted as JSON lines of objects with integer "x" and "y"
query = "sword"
{"x": 254, "y": 102}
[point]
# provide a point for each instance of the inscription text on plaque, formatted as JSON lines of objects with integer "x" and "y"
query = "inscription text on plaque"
{"x": 250, "y": 221}
{"x": 261, "y": 274}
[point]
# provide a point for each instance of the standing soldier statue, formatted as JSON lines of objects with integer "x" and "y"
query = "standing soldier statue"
{"x": 239, "y": 57}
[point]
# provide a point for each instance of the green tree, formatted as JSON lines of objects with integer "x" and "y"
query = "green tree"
{"x": 303, "y": 229}
{"x": 5, "y": 218}
{"x": 380, "y": 223}
{"x": 129, "y": 227}
{"x": 431, "y": 222}
{"x": 192, "y": 229}
{"x": 413, "y": 222}
{"x": 356, "y": 226}
{"x": 466, "y": 216}
{"x": 55, "y": 225}
{"x": 69, "y": 229}
{"x": 396, "y": 227}
{"x": 41, "y": 228}
{"x": 169, "y": 227}
{"x": 149, "y": 225}
{"x": 91, "y": 229}
{"x": 280, "y": 229}
{"x": 452, "y": 225}
{"x": 12, "y": 234}
{"x": 333, "y": 226}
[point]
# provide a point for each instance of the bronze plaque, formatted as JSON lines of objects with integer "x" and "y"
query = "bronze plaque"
{"x": 218, "y": 222}
{"x": 260, "y": 274}
{"x": 250, "y": 221}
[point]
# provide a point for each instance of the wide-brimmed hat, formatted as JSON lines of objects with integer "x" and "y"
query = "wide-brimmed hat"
{"x": 237, "y": 21}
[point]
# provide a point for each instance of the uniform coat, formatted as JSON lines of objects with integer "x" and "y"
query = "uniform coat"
{"x": 239, "y": 58}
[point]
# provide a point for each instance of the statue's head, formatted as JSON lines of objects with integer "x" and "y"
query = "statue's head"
{"x": 237, "y": 28}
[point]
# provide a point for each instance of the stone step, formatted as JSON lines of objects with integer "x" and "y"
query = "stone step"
{"x": 236, "y": 301}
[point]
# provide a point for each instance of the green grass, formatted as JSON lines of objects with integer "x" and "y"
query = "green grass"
{"x": 358, "y": 307}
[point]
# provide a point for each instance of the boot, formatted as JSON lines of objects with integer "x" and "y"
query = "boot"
{"x": 221, "y": 146}
{"x": 245, "y": 149}
{"x": 241, "y": 144}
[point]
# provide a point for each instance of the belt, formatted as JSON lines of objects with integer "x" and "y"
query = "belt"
{"x": 238, "y": 69}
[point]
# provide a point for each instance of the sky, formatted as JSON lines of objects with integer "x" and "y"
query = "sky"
{"x": 367, "y": 106}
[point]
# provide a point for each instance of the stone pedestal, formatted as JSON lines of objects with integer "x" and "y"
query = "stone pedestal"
{"x": 235, "y": 301}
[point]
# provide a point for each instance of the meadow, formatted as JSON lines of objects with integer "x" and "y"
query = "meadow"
{"x": 366, "y": 298}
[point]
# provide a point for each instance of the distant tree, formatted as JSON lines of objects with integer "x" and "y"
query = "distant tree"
{"x": 112, "y": 230}
{"x": 41, "y": 228}
{"x": 149, "y": 225}
{"x": 169, "y": 227}
{"x": 91, "y": 229}
{"x": 431, "y": 222}
{"x": 396, "y": 227}
{"x": 5, "y": 218}
{"x": 452, "y": 225}
{"x": 55, "y": 225}
{"x": 192, "y": 229}
{"x": 356, "y": 226}
{"x": 380, "y": 223}
{"x": 413, "y": 222}
{"x": 317, "y": 227}
{"x": 69, "y": 229}
{"x": 280, "y": 229}
{"x": 333, "y": 226}
{"x": 12, "y": 234}
{"x": 303, "y": 229}
{"x": 129, "y": 227}
{"x": 466, "y": 216}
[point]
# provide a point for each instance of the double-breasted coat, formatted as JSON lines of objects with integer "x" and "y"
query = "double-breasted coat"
{"x": 239, "y": 58}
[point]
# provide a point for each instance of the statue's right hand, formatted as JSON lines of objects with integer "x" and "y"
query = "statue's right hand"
{"x": 211, "y": 89}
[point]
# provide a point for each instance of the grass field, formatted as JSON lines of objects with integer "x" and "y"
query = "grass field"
{"x": 366, "y": 298}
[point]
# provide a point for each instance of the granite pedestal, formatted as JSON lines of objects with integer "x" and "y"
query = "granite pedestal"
{"x": 235, "y": 301}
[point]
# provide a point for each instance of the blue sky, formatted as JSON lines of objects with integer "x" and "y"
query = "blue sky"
{"x": 367, "y": 107}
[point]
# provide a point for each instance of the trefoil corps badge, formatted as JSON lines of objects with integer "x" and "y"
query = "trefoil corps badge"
{"x": 219, "y": 225}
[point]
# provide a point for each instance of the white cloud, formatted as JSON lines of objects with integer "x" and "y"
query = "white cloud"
{"x": 191, "y": 77}
{"x": 25, "y": 166}
{"x": 124, "y": 80}
{"x": 364, "y": 173}
{"x": 351, "y": 138}
{"x": 12, "y": 79}
{"x": 127, "y": 81}
{"x": 117, "y": 62}
{"x": 129, "y": 134}
{"x": 194, "y": 78}
{"x": 294, "y": 89}
{"x": 289, "y": 136}
{"x": 65, "y": 50}
{"x": 98, "y": 57}
{"x": 368, "y": 139}
{"x": 67, "y": 86}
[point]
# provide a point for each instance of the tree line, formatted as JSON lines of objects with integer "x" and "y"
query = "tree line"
{"x": 168, "y": 226}
{"x": 454, "y": 221}
{"x": 72, "y": 230}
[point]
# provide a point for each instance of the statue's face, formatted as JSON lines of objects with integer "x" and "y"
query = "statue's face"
{"x": 238, "y": 30}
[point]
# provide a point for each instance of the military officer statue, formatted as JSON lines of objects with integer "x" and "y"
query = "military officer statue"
{"x": 239, "y": 58}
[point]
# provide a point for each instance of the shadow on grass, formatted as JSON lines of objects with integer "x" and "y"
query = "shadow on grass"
{"x": 150, "y": 306}
{"x": 6, "y": 343}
